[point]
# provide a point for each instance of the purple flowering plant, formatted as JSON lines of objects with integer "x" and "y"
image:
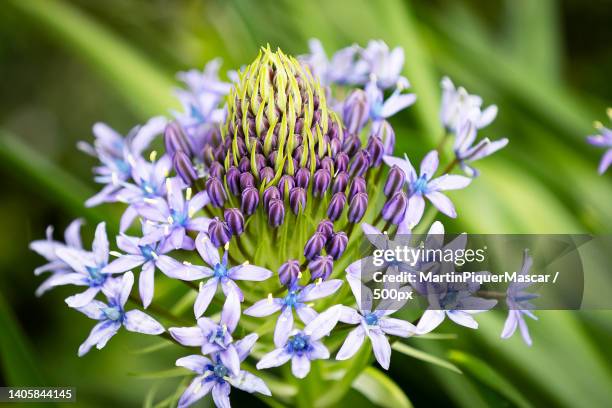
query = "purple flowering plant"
{"x": 257, "y": 204}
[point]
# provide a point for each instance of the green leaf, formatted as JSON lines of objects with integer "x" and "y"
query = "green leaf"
{"x": 57, "y": 185}
{"x": 353, "y": 368}
{"x": 143, "y": 85}
{"x": 533, "y": 31}
{"x": 424, "y": 356}
{"x": 488, "y": 376}
{"x": 149, "y": 399}
{"x": 168, "y": 373}
{"x": 18, "y": 362}
{"x": 561, "y": 349}
{"x": 380, "y": 389}
{"x": 153, "y": 348}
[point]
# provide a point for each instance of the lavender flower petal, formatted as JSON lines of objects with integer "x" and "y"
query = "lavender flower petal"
{"x": 381, "y": 348}
{"x": 275, "y": 358}
{"x": 187, "y": 336}
{"x": 352, "y": 344}
{"x": 300, "y": 365}
{"x": 139, "y": 322}
{"x": 283, "y": 328}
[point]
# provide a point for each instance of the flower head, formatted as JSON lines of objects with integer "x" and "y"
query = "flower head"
{"x": 383, "y": 64}
{"x": 456, "y": 300}
{"x": 150, "y": 255}
{"x": 381, "y": 109}
{"x": 374, "y": 324}
{"x": 303, "y": 346}
{"x": 519, "y": 304}
{"x": 112, "y": 315}
{"x": 214, "y": 376}
{"x": 219, "y": 272}
{"x": 175, "y": 215}
{"x": 215, "y": 338}
{"x": 467, "y": 152}
{"x": 61, "y": 272}
{"x": 425, "y": 186}
{"x": 202, "y": 103}
{"x": 295, "y": 299}
{"x": 342, "y": 68}
{"x": 603, "y": 139}
{"x": 118, "y": 155}
{"x": 458, "y": 105}
{"x": 86, "y": 267}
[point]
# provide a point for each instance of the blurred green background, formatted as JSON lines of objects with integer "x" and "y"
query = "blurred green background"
{"x": 545, "y": 63}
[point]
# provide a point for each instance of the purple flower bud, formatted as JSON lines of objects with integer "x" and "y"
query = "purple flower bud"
{"x": 242, "y": 150}
{"x": 358, "y": 207}
{"x": 302, "y": 177}
{"x": 320, "y": 182}
{"x": 232, "y": 177}
{"x": 208, "y": 155}
{"x": 260, "y": 161}
{"x": 395, "y": 208}
{"x": 335, "y": 146}
{"x": 386, "y": 134}
{"x": 271, "y": 193}
{"x": 360, "y": 163}
{"x": 395, "y": 181}
{"x": 340, "y": 182}
{"x": 244, "y": 165}
{"x": 266, "y": 174}
{"x": 315, "y": 245}
{"x": 297, "y": 199}
{"x": 326, "y": 227}
{"x": 342, "y": 161}
{"x": 351, "y": 145}
{"x": 327, "y": 163}
{"x": 247, "y": 180}
{"x": 337, "y": 244}
{"x": 285, "y": 184}
{"x": 176, "y": 140}
{"x": 184, "y": 168}
{"x": 358, "y": 185}
{"x": 321, "y": 267}
{"x": 276, "y": 213}
{"x": 250, "y": 200}
{"x": 219, "y": 232}
{"x": 216, "y": 170}
{"x": 376, "y": 150}
{"x": 235, "y": 220}
{"x": 289, "y": 273}
{"x": 298, "y": 152}
{"x": 356, "y": 111}
{"x": 216, "y": 192}
{"x": 336, "y": 205}
{"x": 272, "y": 157}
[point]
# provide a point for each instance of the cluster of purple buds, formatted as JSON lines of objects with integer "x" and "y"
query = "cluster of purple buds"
{"x": 281, "y": 146}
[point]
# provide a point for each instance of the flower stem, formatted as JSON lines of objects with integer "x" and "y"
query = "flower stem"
{"x": 160, "y": 311}
{"x": 442, "y": 142}
{"x": 450, "y": 166}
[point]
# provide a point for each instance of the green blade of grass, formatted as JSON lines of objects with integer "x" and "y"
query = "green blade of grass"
{"x": 488, "y": 376}
{"x": 380, "y": 389}
{"x": 46, "y": 178}
{"x": 138, "y": 80}
{"x": 18, "y": 362}
{"x": 533, "y": 35}
{"x": 424, "y": 356}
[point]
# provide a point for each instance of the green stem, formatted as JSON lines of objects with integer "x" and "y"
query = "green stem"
{"x": 160, "y": 311}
